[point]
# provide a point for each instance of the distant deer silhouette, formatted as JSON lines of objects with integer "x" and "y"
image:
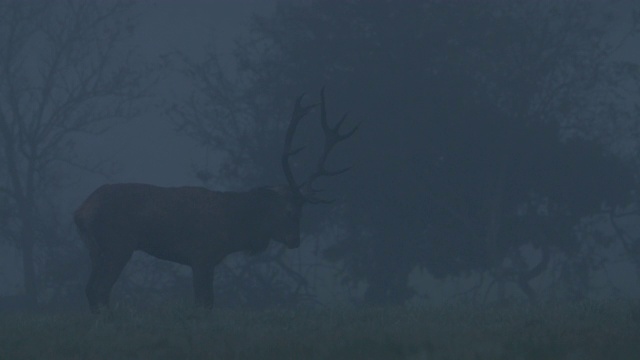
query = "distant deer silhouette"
{"x": 195, "y": 226}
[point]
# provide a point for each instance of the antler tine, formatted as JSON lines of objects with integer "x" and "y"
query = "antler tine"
{"x": 336, "y": 172}
{"x": 298, "y": 113}
{"x": 333, "y": 133}
{"x": 348, "y": 133}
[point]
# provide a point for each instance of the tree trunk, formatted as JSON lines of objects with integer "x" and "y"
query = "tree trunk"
{"x": 28, "y": 264}
{"x": 525, "y": 278}
{"x": 526, "y": 288}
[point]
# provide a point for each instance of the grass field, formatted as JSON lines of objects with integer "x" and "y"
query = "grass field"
{"x": 590, "y": 330}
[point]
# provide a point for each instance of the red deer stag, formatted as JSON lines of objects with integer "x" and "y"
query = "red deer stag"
{"x": 195, "y": 226}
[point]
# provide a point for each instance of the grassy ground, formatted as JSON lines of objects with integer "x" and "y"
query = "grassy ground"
{"x": 582, "y": 331}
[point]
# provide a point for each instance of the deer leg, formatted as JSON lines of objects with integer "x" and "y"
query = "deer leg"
{"x": 203, "y": 286}
{"x": 105, "y": 270}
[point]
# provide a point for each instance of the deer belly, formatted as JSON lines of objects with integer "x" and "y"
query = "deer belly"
{"x": 174, "y": 255}
{"x": 168, "y": 248}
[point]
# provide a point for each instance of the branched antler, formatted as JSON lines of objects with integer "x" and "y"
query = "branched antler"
{"x": 332, "y": 136}
{"x": 299, "y": 112}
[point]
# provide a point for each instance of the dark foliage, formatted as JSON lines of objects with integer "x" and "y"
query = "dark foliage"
{"x": 487, "y": 127}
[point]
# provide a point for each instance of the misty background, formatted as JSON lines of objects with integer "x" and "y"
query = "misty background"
{"x": 496, "y": 160}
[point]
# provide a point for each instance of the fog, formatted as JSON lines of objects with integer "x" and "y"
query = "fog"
{"x": 150, "y": 150}
{"x": 495, "y": 158}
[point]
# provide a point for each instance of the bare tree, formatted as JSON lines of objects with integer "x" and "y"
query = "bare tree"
{"x": 64, "y": 70}
{"x": 243, "y": 127}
